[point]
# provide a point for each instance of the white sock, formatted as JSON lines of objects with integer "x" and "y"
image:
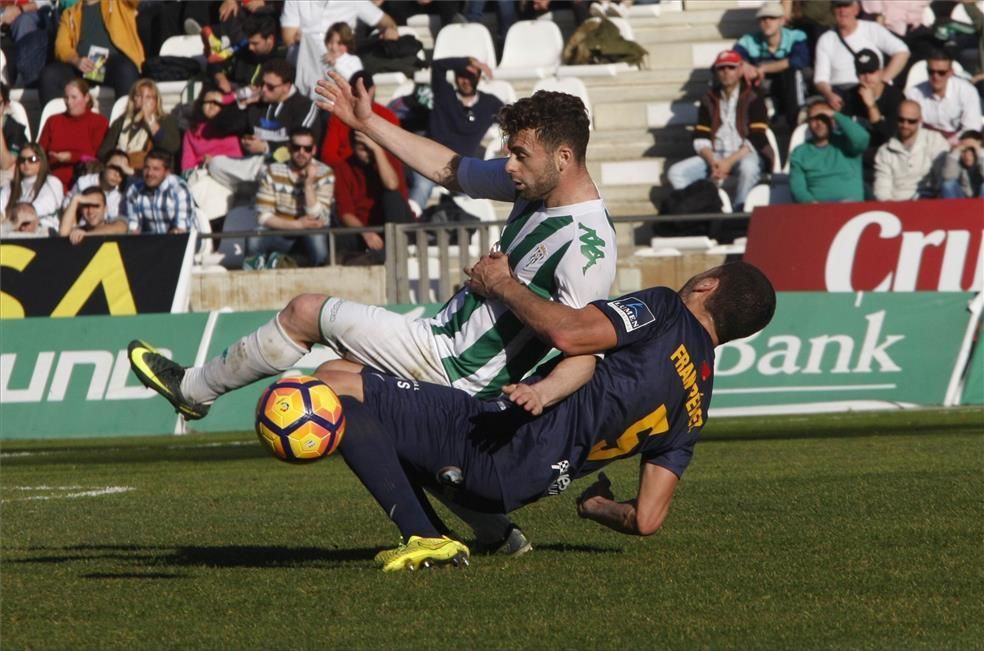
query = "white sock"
{"x": 262, "y": 353}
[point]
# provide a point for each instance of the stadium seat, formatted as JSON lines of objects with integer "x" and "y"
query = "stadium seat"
{"x": 795, "y": 140}
{"x": 758, "y": 196}
{"x": 119, "y": 108}
{"x": 3, "y": 68}
{"x": 465, "y": 40}
{"x": 725, "y": 201}
{"x": 403, "y": 89}
{"x": 673, "y": 246}
{"x": 928, "y": 17}
{"x": 569, "y": 85}
{"x": 183, "y": 46}
{"x": 624, "y": 28}
{"x": 500, "y": 88}
{"x": 532, "y": 51}
{"x": 493, "y": 142}
{"x": 777, "y": 161}
{"x": 918, "y": 73}
{"x": 485, "y": 211}
{"x": 17, "y": 113}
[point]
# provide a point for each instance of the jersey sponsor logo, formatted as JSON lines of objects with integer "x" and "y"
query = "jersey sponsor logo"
{"x": 592, "y": 246}
{"x": 563, "y": 480}
{"x": 635, "y": 314}
{"x": 688, "y": 376}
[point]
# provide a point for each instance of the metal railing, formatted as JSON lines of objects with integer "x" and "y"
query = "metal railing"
{"x": 411, "y": 249}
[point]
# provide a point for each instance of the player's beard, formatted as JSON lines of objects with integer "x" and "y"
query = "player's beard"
{"x": 543, "y": 185}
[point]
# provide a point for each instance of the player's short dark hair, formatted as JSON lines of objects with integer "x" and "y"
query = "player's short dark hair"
{"x": 939, "y": 55}
{"x": 265, "y": 26}
{"x": 159, "y": 154}
{"x": 971, "y": 133}
{"x": 301, "y": 131}
{"x": 279, "y": 67}
{"x": 366, "y": 78}
{"x": 743, "y": 303}
{"x": 556, "y": 118}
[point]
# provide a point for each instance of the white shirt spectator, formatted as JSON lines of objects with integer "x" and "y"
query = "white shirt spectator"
{"x": 904, "y": 173}
{"x": 835, "y": 64}
{"x": 47, "y": 204}
{"x": 313, "y": 18}
{"x": 957, "y": 111}
{"x": 114, "y": 197}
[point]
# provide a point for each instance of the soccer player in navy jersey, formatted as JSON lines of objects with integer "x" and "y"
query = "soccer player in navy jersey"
{"x": 648, "y": 396}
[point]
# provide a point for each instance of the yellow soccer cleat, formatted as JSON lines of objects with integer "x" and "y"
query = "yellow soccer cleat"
{"x": 423, "y": 553}
{"x": 163, "y": 376}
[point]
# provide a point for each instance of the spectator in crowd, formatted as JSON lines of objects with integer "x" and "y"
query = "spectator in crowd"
{"x": 904, "y": 164}
{"x": 86, "y": 215}
{"x": 158, "y": 20}
{"x": 962, "y": 175}
{"x": 234, "y": 14}
{"x": 812, "y": 17}
{"x": 827, "y": 167}
{"x": 775, "y": 57}
{"x": 834, "y": 75}
{"x": 461, "y": 114}
{"x": 337, "y": 144}
{"x": 447, "y": 12}
{"x": 160, "y": 202}
{"x": 142, "y": 127}
{"x": 112, "y": 180}
{"x": 305, "y": 22}
{"x": 265, "y": 118}
{"x": 28, "y": 24}
{"x": 87, "y": 27}
{"x": 900, "y": 18}
{"x": 75, "y": 135}
{"x": 977, "y": 19}
{"x": 13, "y": 136}
{"x": 949, "y": 105}
{"x": 295, "y": 195}
{"x": 506, "y": 11}
{"x": 34, "y": 184}
{"x": 242, "y": 69}
{"x": 208, "y": 134}
{"x": 875, "y": 106}
{"x": 730, "y": 134}
{"x": 370, "y": 190}
{"x": 23, "y": 222}
{"x": 339, "y": 53}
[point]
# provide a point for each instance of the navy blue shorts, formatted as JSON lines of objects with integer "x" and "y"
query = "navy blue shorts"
{"x": 436, "y": 426}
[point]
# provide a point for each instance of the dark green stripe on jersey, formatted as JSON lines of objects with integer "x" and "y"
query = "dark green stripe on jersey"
{"x": 547, "y": 227}
{"x": 516, "y": 225}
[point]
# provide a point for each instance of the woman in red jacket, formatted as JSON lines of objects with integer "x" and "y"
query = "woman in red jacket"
{"x": 74, "y": 135}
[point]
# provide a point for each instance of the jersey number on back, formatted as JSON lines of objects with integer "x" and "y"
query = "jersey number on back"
{"x": 652, "y": 424}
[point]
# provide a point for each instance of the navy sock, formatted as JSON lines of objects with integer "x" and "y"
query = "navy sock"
{"x": 371, "y": 455}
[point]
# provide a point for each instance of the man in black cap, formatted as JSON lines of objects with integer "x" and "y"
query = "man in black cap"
{"x": 875, "y": 106}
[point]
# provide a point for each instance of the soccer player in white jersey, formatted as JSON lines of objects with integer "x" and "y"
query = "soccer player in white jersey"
{"x": 559, "y": 240}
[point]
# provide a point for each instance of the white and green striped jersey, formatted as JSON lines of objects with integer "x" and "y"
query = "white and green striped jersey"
{"x": 565, "y": 253}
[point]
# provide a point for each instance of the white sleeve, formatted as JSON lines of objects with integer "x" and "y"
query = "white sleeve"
{"x": 821, "y": 67}
{"x": 971, "y": 117}
{"x": 486, "y": 179}
{"x": 291, "y": 15}
{"x": 887, "y": 42}
{"x": 369, "y": 13}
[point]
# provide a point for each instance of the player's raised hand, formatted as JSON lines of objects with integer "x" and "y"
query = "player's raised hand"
{"x": 525, "y": 396}
{"x": 487, "y": 273}
{"x": 601, "y": 488}
{"x": 353, "y": 106}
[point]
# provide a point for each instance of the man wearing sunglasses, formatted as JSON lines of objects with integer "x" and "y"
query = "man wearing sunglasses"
{"x": 293, "y": 196}
{"x": 905, "y": 164}
{"x": 949, "y": 105}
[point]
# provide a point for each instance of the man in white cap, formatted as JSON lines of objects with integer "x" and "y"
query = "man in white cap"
{"x": 774, "y": 58}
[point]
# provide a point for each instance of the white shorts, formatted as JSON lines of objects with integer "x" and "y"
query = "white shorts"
{"x": 385, "y": 340}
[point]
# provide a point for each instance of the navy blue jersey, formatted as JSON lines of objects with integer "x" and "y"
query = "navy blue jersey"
{"x": 649, "y": 396}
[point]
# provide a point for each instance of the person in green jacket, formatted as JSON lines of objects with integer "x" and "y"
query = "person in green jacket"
{"x": 827, "y": 167}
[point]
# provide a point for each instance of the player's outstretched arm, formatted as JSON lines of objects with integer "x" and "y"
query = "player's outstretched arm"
{"x": 642, "y": 516}
{"x": 569, "y": 375}
{"x": 353, "y": 106}
{"x": 575, "y": 331}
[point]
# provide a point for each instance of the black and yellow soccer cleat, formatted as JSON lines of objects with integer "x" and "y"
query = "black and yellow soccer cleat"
{"x": 422, "y": 553}
{"x": 163, "y": 376}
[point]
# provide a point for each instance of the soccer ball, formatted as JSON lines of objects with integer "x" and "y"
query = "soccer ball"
{"x": 300, "y": 419}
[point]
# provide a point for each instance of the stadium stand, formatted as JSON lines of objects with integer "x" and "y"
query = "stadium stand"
{"x": 532, "y": 50}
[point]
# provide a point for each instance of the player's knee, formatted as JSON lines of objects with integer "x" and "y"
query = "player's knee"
{"x": 343, "y": 383}
{"x": 300, "y": 317}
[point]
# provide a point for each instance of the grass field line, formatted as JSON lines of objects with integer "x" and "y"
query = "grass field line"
{"x": 95, "y": 492}
{"x": 821, "y": 387}
{"x": 183, "y": 446}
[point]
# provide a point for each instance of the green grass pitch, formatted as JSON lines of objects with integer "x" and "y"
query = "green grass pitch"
{"x": 833, "y": 532}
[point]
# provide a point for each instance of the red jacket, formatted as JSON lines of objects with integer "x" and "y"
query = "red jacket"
{"x": 358, "y": 189}
{"x": 336, "y": 146}
{"x": 78, "y": 135}
{"x": 751, "y": 120}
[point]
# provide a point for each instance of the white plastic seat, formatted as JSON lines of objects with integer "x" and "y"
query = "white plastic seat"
{"x": 624, "y": 28}
{"x": 18, "y": 113}
{"x": 183, "y": 46}
{"x": 569, "y": 85}
{"x": 918, "y": 73}
{"x": 776, "y": 161}
{"x": 758, "y": 196}
{"x": 725, "y": 201}
{"x": 119, "y": 108}
{"x": 403, "y": 89}
{"x": 678, "y": 245}
{"x": 532, "y": 51}
{"x": 797, "y": 138}
{"x": 500, "y": 88}
{"x": 465, "y": 40}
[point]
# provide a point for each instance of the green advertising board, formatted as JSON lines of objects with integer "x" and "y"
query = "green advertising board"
{"x": 840, "y": 351}
{"x": 63, "y": 378}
